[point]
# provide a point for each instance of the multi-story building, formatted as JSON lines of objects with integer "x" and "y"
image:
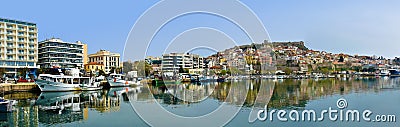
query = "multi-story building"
{"x": 174, "y": 61}
{"x": 108, "y": 59}
{"x": 18, "y": 45}
{"x": 56, "y": 53}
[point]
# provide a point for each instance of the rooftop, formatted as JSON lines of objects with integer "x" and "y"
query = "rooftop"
{"x": 17, "y": 22}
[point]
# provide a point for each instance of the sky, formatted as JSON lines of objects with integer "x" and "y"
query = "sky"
{"x": 364, "y": 27}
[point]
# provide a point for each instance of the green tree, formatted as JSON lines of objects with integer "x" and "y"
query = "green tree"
{"x": 223, "y": 72}
{"x": 287, "y": 71}
{"x": 101, "y": 72}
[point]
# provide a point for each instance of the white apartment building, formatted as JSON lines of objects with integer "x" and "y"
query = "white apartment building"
{"x": 18, "y": 45}
{"x": 56, "y": 53}
{"x": 173, "y": 61}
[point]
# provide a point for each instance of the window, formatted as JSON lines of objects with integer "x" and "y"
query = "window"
{"x": 21, "y": 57}
{"x": 9, "y": 57}
{"x": 9, "y": 51}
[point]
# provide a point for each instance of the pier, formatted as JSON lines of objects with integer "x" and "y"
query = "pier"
{"x": 19, "y": 87}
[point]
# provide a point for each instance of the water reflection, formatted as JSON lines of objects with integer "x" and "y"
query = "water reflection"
{"x": 60, "y": 108}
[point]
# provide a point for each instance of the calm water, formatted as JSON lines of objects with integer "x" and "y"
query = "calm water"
{"x": 113, "y": 107}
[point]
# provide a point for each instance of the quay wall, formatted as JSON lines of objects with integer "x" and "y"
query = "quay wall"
{"x": 19, "y": 87}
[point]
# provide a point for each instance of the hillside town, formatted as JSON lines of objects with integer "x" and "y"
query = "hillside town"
{"x": 276, "y": 58}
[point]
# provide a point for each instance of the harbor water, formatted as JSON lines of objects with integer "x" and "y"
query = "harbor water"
{"x": 113, "y": 107}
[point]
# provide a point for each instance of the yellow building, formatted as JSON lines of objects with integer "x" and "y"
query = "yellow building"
{"x": 93, "y": 67}
{"x": 107, "y": 59}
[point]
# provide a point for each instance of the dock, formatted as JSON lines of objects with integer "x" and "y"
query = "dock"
{"x": 19, "y": 87}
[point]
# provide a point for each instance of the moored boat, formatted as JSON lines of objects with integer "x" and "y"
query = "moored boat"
{"x": 118, "y": 80}
{"x": 61, "y": 82}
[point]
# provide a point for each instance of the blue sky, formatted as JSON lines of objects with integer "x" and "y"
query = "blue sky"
{"x": 364, "y": 27}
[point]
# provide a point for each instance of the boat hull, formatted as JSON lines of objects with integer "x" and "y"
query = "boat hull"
{"x": 121, "y": 83}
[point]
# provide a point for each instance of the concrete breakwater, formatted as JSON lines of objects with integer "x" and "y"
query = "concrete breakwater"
{"x": 19, "y": 87}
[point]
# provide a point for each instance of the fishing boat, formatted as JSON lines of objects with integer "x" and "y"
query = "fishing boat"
{"x": 118, "y": 80}
{"x": 61, "y": 82}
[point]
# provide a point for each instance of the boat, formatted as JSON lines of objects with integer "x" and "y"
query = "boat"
{"x": 61, "y": 82}
{"x": 383, "y": 73}
{"x": 118, "y": 80}
{"x": 5, "y": 105}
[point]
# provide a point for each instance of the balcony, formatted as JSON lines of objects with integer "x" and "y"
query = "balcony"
{"x": 21, "y": 41}
{"x": 10, "y": 39}
{"x": 10, "y": 46}
{"x": 21, "y": 47}
{"x": 10, "y": 52}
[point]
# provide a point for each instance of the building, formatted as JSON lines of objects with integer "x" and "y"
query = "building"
{"x": 93, "y": 67}
{"x": 108, "y": 59}
{"x": 174, "y": 61}
{"x": 18, "y": 45}
{"x": 56, "y": 53}
{"x": 85, "y": 54}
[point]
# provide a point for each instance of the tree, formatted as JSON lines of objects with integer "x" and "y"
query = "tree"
{"x": 101, "y": 72}
{"x": 181, "y": 70}
{"x": 287, "y": 71}
{"x": 22, "y": 72}
{"x": 128, "y": 66}
{"x": 223, "y": 72}
{"x": 118, "y": 70}
{"x": 142, "y": 67}
{"x": 2, "y": 71}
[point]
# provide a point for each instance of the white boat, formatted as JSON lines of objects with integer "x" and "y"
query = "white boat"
{"x": 383, "y": 72}
{"x": 118, "y": 80}
{"x": 61, "y": 82}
